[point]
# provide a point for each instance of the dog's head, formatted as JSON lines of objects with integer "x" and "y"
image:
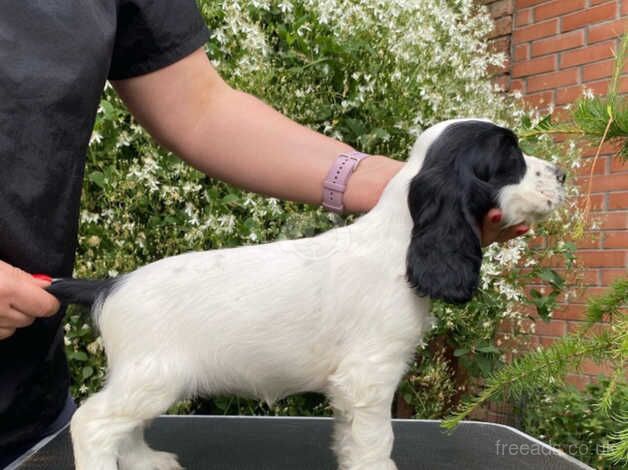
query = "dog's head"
{"x": 469, "y": 167}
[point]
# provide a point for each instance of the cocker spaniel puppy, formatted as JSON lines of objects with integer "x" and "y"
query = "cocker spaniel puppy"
{"x": 267, "y": 321}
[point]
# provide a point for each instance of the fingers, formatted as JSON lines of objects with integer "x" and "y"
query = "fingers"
{"x": 27, "y": 294}
{"x": 491, "y": 226}
{"x": 6, "y": 332}
{"x": 512, "y": 232}
{"x": 22, "y": 300}
{"x": 492, "y": 230}
{"x": 13, "y": 318}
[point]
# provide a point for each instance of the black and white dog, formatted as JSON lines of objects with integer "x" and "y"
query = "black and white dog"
{"x": 266, "y": 321}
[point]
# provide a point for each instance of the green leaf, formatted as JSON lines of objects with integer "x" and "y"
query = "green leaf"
{"x": 98, "y": 178}
{"x": 461, "y": 352}
{"x": 77, "y": 356}
{"x": 485, "y": 364}
{"x": 552, "y": 277}
{"x": 88, "y": 371}
{"x": 230, "y": 199}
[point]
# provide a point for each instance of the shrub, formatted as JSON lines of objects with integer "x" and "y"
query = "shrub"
{"x": 370, "y": 73}
{"x": 571, "y": 420}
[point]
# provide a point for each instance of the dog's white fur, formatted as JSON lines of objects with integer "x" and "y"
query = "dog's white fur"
{"x": 268, "y": 321}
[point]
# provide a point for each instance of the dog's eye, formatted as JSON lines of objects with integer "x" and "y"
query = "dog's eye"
{"x": 538, "y": 173}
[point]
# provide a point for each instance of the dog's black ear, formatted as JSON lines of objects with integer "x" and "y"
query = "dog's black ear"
{"x": 447, "y": 200}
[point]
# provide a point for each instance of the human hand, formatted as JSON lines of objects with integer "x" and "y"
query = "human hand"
{"x": 492, "y": 230}
{"x": 22, "y": 300}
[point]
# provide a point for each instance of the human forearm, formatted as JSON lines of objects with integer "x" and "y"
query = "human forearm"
{"x": 242, "y": 140}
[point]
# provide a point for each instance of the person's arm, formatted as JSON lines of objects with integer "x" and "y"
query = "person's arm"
{"x": 237, "y": 138}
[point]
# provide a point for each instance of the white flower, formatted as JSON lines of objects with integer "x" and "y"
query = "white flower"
{"x": 95, "y": 138}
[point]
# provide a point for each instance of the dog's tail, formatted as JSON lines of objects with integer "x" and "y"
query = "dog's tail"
{"x": 81, "y": 291}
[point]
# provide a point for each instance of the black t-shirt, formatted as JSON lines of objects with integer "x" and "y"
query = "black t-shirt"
{"x": 55, "y": 56}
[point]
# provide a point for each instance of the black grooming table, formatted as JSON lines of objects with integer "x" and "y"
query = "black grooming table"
{"x": 260, "y": 443}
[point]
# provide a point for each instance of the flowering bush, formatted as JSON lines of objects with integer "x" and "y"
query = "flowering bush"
{"x": 372, "y": 73}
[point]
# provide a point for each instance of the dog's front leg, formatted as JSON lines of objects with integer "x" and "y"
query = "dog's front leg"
{"x": 363, "y": 436}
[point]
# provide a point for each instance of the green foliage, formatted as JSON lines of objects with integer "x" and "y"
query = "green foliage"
{"x": 429, "y": 386}
{"x": 572, "y": 420}
{"x": 546, "y": 368}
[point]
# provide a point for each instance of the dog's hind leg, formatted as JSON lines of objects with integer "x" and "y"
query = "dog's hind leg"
{"x": 108, "y": 426}
{"x": 363, "y": 436}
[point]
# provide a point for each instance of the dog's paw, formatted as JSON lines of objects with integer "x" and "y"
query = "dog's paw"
{"x": 150, "y": 460}
{"x": 384, "y": 464}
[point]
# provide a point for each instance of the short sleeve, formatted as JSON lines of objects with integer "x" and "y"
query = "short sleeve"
{"x": 152, "y": 34}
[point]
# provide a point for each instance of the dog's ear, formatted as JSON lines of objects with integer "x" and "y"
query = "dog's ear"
{"x": 447, "y": 200}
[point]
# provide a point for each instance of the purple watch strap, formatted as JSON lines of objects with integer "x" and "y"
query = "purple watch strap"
{"x": 335, "y": 182}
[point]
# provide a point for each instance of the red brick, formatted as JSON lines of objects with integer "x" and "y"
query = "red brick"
{"x": 590, "y": 367}
{"x": 610, "y": 275}
{"x": 503, "y": 27}
{"x": 578, "y": 381}
{"x": 557, "y": 8}
{"x": 584, "y": 294}
{"x": 558, "y": 43}
{"x": 616, "y": 239}
{"x": 602, "y": 258}
{"x": 601, "y": 183}
{"x": 618, "y": 200}
{"x": 597, "y": 70}
{"x": 502, "y": 82}
{"x": 585, "y": 168}
{"x": 589, "y": 277}
{"x": 600, "y": 32}
{"x": 500, "y": 45}
{"x": 617, "y": 165}
{"x": 570, "y": 312}
{"x": 597, "y": 201}
{"x": 539, "y": 100}
{"x": 522, "y": 52}
{"x": 568, "y": 94}
{"x": 597, "y": 88}
{"x": 589, "y": 241}
{"x": 535, "y": 31}
{"x": 534, "y": 66}
{"x": 562, "y": 115}
{"x": 607, "y": 11}
{"x": 500, "y": 8}
{"x": 537, "y": 242}
{"x": 624, "y": 7}
{"x": 523, "y": 18}
{"x": 497, "y": 70}
{"x": 575, "y": 326}
{"x": 553, "y": 80}
{"x": 527, "y": 3}
{"x": 551, "y": 328}
{"x": 609, "y": 148}
{"x": 615, "y": 220}
{"x": 518, "y": 85}
{"x": 587, "y": 54}
{"x": 547, "y": 341}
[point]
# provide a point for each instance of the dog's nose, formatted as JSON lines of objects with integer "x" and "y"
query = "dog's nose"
{"x": 560, "y": 175}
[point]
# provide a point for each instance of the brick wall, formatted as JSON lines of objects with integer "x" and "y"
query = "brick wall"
{"x": 557, "y": 48}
